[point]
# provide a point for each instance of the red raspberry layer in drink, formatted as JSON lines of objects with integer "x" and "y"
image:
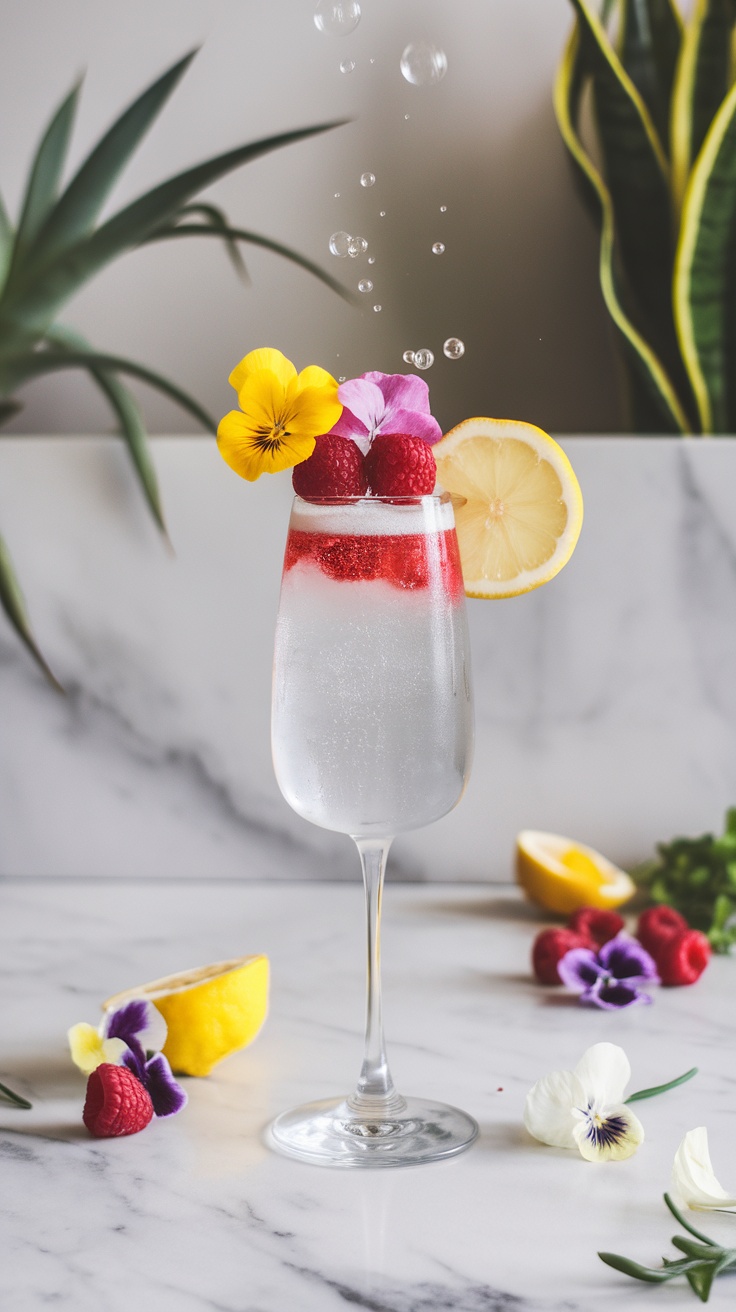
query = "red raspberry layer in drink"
{"x": 407, "y": 560}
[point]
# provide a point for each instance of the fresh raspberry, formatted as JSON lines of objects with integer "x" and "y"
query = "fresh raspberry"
{"x": 116, "y": 1103}
{"x": 596, "y": 925}
{"x": 549, "y": 948}
{"x": 682, "y": 959}
{"x": 335, "y": 469}
{"x": 399, "y": 465}
{"x": 657, "y": 925}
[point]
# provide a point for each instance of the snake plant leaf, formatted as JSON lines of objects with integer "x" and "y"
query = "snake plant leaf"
{"x": 636, "y": 172}
{"x": 45, "y": 176}
{"x": 651, "y": 35}
{"x": 33, "y": 302}
{"x": 704, "y": 313}
{"x": 657, "y": 403}
{"x": 220, "y": 220}
{"x": 703, "y": 80}
{"x": 126, "y": 410}
{"x": 21, "y": 369}
{"x": 13, "y": 603}
{"x": 255, "y": 239}
{"x": 77, "y": 209}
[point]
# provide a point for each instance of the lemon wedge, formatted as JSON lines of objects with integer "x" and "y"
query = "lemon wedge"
{"x": 210, "y": 1012}
{"x": 518, "y": 505}
{"x": 562, "y": 875}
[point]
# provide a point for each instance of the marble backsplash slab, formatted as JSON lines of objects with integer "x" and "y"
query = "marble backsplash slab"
{"x": 605, "y": 702}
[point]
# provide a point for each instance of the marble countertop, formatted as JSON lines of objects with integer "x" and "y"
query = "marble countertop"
{"x": 196, "y": 1215}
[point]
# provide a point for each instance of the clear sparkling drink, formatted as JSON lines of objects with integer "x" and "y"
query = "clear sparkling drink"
{"x": 372, "y": 713}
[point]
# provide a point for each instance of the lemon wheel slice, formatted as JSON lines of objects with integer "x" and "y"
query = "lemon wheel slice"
{"x": 562, "y": 875}
{"x": 209, "y": 1012}
{"x": 518, "y": 505}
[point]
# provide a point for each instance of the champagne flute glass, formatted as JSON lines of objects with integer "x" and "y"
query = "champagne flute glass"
{"x": 372, "y": 736}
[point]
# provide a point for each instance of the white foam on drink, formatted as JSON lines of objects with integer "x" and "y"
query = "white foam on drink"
{"x": 372, "y": 517}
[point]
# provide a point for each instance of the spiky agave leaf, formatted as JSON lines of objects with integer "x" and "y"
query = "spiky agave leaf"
{"x": 13, "y": 603}
{"x": 45, "y": 176}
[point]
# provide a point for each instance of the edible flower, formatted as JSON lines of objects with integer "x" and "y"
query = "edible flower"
{"x": 131, "y": 1036}
{"x": 693, "y": 1179}
{"x": 281, "y": 414}
{"x": 385, "y": 403}
{"x": 610, "y": 977}
{"x": 584, "y": 1109}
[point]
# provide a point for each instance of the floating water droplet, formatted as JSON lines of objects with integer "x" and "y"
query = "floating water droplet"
{"x": 454, "y": 348}
{"x": 423, "y": 64}
{"x": 338, "y": 17}
{"x": 407, "y": 117}
{"x": 347, "y": 65}
{"x": 443, "y": 209}
{"x": 356, "y": 246}
{"x": 339, "y": 243}
{"x": 341, "y": 378}
{"x": 382, "y": 214}
{"x": 372, "y": 260}
{"x": 378, "y": 308}
{"x": 423, "y": 359}
{"x": 371, "y": 61}
{"x": 367, "y": 179}
{"x": 408, "y": 357}
{"x": 438, "y": 248}
{"x": 336, "y": 195}
{"x": 365, "y": 285}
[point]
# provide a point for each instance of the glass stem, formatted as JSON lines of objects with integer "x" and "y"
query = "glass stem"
{"x": 375, "y": 1095}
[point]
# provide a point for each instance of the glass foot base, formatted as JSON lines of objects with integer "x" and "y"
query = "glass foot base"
{"x": 332, "y": 1133}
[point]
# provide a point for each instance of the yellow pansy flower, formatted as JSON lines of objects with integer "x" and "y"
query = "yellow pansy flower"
{"x": 89, "y": 1050}
{"x": 281, "y": 413}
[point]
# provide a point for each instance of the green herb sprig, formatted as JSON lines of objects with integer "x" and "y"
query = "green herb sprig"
{"x": 703, "y": 1260}
{"x": 697, "y": 876}
{"x": 7, "y": 1095}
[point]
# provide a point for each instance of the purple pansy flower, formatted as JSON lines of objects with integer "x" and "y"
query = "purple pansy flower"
{"x": 611, "y": 977}
{"x": 143, "y": 1029}
{"x": 385, "y": 403}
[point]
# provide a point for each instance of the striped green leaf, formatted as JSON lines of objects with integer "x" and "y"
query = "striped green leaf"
{"x": 656, "y": 404}
{"x": 14, "y": 606}
{"x": 703, "y": 80}
{"x": 35, "y": 299}
{"x": 636, "y": 173}
{"x": 705, "y": 274}
{"x": 45, "y": 176}
{"x": 650, "y": 40}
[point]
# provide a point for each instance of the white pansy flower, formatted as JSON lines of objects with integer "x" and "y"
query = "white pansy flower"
{"x": 584, "y": 1108}
{"x": 693, "y": 1181}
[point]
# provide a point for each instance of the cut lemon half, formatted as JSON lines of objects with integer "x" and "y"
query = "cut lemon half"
{"x": 518, "y": 505}
{"x": 562, "y": 875}
{"x": 210, "y": 1012}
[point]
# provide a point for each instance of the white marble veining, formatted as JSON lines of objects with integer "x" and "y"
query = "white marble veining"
{"x": 605, "y": 701}
{"x": 196, "y": 1215}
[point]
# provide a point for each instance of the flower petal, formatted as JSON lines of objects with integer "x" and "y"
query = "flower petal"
{"x": 365, "y": 401}
{"x": 313, "y": 412}
{"x": 89, "y": 1049}
{"x": 579, "y": 969}
{"x": 402, "y": 391}
{"x": 604, "y": 1072}
{"x": 348, "y": 425}
{"x": 137, "y": 1019}
{"x": 413, "y": 423}
{"x": 625, "y": 958}
{"x": 693, "y": 1180}
{"x": 548, "y": 1110}
{"x": 264, "y": 358}
{"x": 167, "y": 1096}
{"x": 314, "y": 376}
{"x": 240, "y": 449}
{"x": 613, "y": 994}
{"x": 610, "y": 1137}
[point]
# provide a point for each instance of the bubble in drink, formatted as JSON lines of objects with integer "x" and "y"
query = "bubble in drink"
{"x": 408, "y": 357}
{"x": 339, "y": 242}
{"x": 423, "y": 64}
{"x": 454, "y": 348}
{"x": 378, "y": 308}
{"x": 365, "y": 285}
{"x": 357, "y": 246}
{"x": 438, "y": 248}
{"x": 367, "y": 179}
{"x": 347, "y": 65}
{"x": 338, "y": 17}
{"x": 423, "y": 359}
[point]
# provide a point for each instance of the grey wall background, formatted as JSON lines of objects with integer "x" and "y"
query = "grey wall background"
{"x": 517, "y": 281}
